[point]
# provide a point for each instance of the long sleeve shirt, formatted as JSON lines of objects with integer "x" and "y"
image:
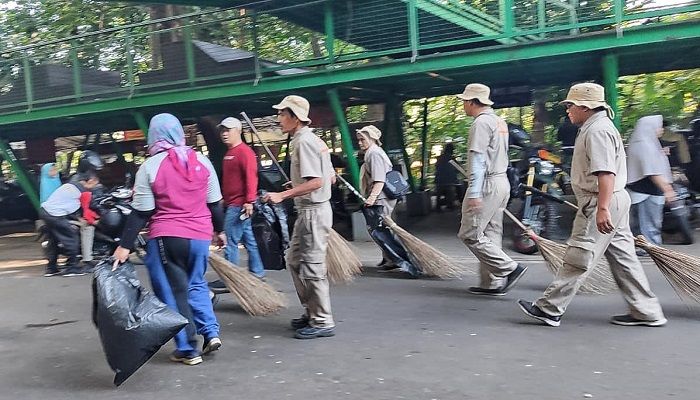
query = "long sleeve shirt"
{"x": 240, "y": 176}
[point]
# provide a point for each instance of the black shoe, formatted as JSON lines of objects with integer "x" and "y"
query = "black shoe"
{"x": 186, "y": 357}
{"x": 514, "y": 277}
{"x": 628, "y": 320}
{"x": 300, "y": 323}
{"x": 52, "y": 271}
{"x": 73, "y": 271}
{"x": 218, "y": 287}
{"x": 533, "y": 311}
{"x": 311, "y": 332}
{"x": 486, "y": 292}
{"x": 387, "y": 267}
{"x": 211, "y": 345}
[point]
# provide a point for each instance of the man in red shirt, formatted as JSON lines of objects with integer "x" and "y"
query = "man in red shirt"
{"x": 239, "y": 182}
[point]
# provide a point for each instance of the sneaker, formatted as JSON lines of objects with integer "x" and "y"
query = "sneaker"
{"x": 186, "y": 357}
{"x": 533, "y": 311}
{"x": 311, "y": 332}
{"x": 73, "y": 271}
{"x": 52, "y": 271}
{"x": 486, "y": 292}
{"x": 211, "y": 345}
{"x": 218, "y": 287}
{"x": 514, "y": 277}
{"x": 628, "y": 320}
{"x": 301, "y": 322}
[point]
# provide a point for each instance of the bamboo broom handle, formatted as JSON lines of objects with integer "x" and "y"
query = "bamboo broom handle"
{"x": 267, "y": 149}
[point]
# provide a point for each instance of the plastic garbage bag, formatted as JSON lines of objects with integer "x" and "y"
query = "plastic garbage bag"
{"x": 133, "y": 324}
{"x": 269, "y": 223}
{"x": 391, "y": 246}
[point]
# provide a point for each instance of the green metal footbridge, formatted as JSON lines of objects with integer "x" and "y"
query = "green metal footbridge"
{"x": 246, "y": 55}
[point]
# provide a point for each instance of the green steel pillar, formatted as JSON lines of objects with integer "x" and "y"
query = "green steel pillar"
{"x": 189, "y": 54}
{"x": 141, "y": 122}
{"x": 424, "y": 148}
{"x": 128, "y": 47}
{"x": 345, "y": 138}
{"x": 610, "y": 75}
{"x": 329, "y": 28}
{"x": 256, "y": 48}
{"x": 22, "y": 178}
{"x": 413, "y": 34}
{"x": 75, "y": 64}
{"x": 507, "y": 16}
{"x": 29, "y": 91}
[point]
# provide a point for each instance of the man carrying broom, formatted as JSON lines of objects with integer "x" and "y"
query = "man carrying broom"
{"x": 601, "y": 226}
{"x": 487, "y": 194}
{"x": 312, "y": 175}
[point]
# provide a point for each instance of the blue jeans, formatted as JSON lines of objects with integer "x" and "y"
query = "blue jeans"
{"x": 648, "y": 216}
{"x": 237, "y": 230}
{"x": 176, "y": 267}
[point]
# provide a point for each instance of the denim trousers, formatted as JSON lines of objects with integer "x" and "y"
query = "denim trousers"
{"x": 238, "y": 231}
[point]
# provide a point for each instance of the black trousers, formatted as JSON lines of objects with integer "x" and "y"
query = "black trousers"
{"x": 64, "y": 238}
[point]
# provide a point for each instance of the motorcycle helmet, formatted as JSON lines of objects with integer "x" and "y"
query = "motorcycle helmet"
{"x": 89, "y": 161}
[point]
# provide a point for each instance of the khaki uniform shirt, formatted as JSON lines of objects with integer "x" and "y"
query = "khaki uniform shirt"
{"x": 598, "y": 148}
{"x": 375, "y": 168}
{"x": 310, "y": 159}
{"x": 488, "y": 135}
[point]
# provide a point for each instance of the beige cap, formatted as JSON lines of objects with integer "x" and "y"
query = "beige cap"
{"x": 372, "y": 132}
{"x": 298, "y": 105}
{"x": 476, "y": 91}
{"x": 231, "y": 123}
{"x": 589, "y": 95}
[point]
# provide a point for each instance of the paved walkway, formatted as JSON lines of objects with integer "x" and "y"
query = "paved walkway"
{"x": 397, "y": 339}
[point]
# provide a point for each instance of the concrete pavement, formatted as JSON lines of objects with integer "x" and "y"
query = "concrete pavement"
{"x": 396, "y": 339}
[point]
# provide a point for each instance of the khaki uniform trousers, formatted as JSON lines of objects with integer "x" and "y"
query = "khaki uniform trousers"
{"x": 482, "y": 232}
{"x": 306, "y": 259}
{"x": 585, "y": 248}
{"x": 87, "y": 238}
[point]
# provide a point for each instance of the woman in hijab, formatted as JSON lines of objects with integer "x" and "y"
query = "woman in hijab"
{"x": 648, "y": 177}
{"x": 177, "y": 193}
{"x": 49, "y": 181}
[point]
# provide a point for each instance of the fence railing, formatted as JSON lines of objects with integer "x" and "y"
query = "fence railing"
{"x": 265, "y": 41}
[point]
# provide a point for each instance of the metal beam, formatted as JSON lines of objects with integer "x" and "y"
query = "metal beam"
{"x": 345, "y": 138}
{"x": 385, "y": 70}
{"x": 611, "y": 74}
{"x": 22, "y": 178}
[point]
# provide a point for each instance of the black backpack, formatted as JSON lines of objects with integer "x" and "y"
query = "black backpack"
{"x": 396, "y": 185}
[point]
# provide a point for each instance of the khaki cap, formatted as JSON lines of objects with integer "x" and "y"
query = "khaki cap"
{"x": 231, "y": 123}
{"x": 590, "y": 95}
{"x": 477, "y": 91}
{"x": 298, "y": 105}
{"x": 371, "y": 131}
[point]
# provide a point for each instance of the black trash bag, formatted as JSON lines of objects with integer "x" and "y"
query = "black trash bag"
{"x": 133, "y": 324}
{"x": 269, "y": 223}
{"x": 386, "y": 240}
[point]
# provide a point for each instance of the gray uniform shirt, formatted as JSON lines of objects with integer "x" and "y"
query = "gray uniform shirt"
{"x": 375, "y": 168}
{"x": 488, "y": 135}
{"x": 310, "y": 159}
{"x": 598, "y": 148}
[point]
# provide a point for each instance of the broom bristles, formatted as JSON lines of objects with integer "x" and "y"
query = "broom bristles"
{"x": 429, "y": 260}
{"x": 341, "y": 260}
{"x": 600, "y": 280}
{"x": 681, "y": 270}
{"x": 256, "y": 297}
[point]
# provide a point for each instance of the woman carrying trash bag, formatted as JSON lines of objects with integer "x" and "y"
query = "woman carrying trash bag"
{"x": 177, "y": 194}
{"x": 372, "y": 179}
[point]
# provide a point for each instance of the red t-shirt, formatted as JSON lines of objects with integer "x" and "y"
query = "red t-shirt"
{"x": 240, "y": 175}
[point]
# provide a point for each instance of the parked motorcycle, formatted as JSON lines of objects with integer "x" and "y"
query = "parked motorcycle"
{"x": 539, "y": 168}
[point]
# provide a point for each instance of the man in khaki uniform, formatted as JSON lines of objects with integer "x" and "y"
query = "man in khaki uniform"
{"x": 312, "y": 175}
{"x": 487, "y": 194}
{"x": 601, "y": 226}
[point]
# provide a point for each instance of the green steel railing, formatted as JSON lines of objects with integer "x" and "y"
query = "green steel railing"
{"x": 223, "y": 46}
